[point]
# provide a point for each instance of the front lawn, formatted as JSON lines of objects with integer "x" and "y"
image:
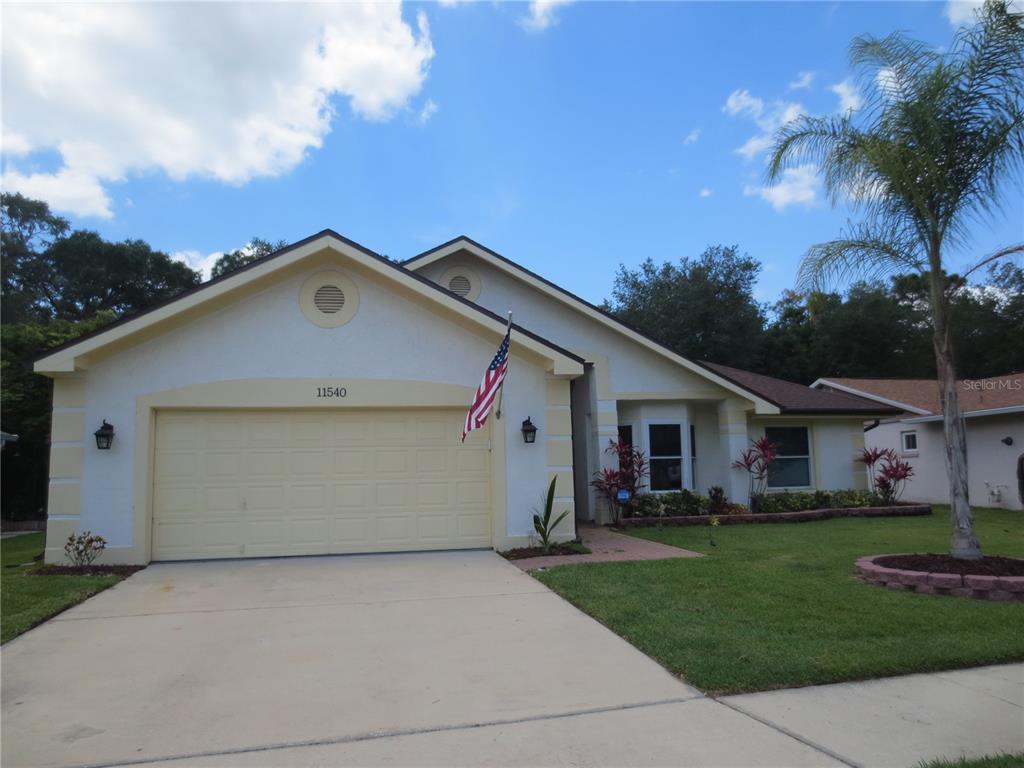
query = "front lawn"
{"x": 26, "y": 600}
{"x": 776, "y": 606}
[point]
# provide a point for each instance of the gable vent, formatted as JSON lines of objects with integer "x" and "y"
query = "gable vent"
{"x": 329, "y": 299}
{"x": 459, "y": 285}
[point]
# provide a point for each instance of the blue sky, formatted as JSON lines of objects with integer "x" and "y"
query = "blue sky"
{"x": 572, "y": 140}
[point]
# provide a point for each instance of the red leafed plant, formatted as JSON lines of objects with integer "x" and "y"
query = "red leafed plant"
{"x": 629, "y": 475}
{"x": 869, "y": 457}
{"x": 892, "y": 477}
{"x": 756, "y": 460}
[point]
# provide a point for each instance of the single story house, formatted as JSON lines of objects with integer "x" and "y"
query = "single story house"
{"x": 312, "y": 403}
{"x": 993, "y": 414}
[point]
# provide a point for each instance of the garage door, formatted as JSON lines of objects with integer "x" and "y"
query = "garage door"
{"x": 263, "y": 483}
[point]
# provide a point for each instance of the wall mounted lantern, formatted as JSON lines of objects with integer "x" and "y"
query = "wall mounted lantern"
{"x": 529, "y": 431}
{"x": 1007, "y": 440}
{"x": 104, "y": 436}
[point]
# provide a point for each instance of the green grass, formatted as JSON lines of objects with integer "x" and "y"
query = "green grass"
{"x": 992, "y": 761}
{"x": 778, "y": 605}
{"x": 25, "y": 600}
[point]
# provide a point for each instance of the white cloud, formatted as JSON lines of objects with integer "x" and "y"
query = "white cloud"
{"x": 542, "y": 14}
{"x": 962, "y": 12}
{"x": 429, "y": 109}
{"x": 196, "y": 260}
{"x": 66, "y": 190}
{"x": 223, "y": 91}
{"x": 849, "y": 97}
{"x": 768, "y": 117}
{"x": 742, "y": 103}
{"x": 798, "y": 186}
{"x": 755, "y": 145}
{"x": 803, "y": 81}
{"x": 692, "y": 137}
{"x": 707, "y": 192}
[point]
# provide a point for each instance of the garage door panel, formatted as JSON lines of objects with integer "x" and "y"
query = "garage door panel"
{"x": 262, "y": 483}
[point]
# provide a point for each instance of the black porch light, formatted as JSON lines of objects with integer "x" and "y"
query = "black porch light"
{"x": 529, "y": 431}
{"x": 104, "y": 436}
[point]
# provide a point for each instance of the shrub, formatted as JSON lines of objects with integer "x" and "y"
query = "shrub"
{"x": 685, "y": 503}
{"x": 83, "y": 548}
{"x": 799, "y": 501}
{"x": 632, "y": 471}
{"x": 716, "y": 499}
{"x": 646, "y": 505}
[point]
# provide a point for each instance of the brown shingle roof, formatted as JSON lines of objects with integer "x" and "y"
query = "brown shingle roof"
{"x": 797, "y": 398}
{"x": 975, "y": 394}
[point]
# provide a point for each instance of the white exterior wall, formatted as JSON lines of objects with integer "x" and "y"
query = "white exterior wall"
{"x": 628, "y": 366}
{"x": 990, "y": 463}
{"x": 834, "y": 444}
{"x": 266, "y": 336}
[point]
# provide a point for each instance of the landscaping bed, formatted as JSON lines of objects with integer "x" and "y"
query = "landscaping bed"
{"x": 898, "y": 510}
{"x": 569, "y": 548}
{"x": 991, "y": 578}
{"x": 85, "y": 570}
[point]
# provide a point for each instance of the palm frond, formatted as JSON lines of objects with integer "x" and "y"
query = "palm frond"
{"x": 866, "y": 252}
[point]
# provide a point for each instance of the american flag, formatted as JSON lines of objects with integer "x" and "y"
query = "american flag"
{"x": 488, "y": 389}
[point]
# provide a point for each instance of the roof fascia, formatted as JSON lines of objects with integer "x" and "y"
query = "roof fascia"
{"x": 819, "y": 383}
{"x": 69, "y": 358}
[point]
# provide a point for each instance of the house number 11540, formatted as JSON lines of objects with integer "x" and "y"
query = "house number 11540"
{"x": 331, "y": 392}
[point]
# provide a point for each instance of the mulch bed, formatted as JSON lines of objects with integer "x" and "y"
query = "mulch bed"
{"x": 805, "y": 516}
{"x": 986, "y": 566}
{"x": 555, "y": 549}
{"x": 86, "y": 570}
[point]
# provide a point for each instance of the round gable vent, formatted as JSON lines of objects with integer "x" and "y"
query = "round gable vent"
{"x": 460, "y": 285}
{"x": 329, "y": 299}
{"x": 461, "y": 280}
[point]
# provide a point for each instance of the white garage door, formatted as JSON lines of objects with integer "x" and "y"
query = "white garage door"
{"x": 263, "y": 483}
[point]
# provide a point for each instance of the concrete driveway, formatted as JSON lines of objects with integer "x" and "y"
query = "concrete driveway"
{"x": 437, "y": 659}
{"x": 448, "y": 658}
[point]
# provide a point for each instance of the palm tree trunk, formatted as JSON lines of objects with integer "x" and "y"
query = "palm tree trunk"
{"x": 964, "y": 544}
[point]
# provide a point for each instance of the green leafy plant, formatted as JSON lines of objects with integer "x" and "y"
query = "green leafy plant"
{"x": 542, "y": 523}
{"x": 83, "y": 548}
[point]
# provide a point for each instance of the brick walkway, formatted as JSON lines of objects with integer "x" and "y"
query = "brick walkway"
{"x": 608, "y": 546}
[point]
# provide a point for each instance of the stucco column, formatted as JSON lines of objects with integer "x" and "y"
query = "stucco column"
{"x": 732, "y": 436}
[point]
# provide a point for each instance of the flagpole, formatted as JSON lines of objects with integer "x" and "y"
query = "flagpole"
{"x": 501, "y": 392}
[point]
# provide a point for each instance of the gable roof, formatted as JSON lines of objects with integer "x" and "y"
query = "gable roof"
{"x": 921, "y": 396}
{"x": 795, "y": 398}
{"x": 503, "y": 263}
{"x": 73, "y": 355}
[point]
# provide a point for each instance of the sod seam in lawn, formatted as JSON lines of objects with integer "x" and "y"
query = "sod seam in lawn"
{"x": 26, "y": 600}
{"x": 775, "y": 606}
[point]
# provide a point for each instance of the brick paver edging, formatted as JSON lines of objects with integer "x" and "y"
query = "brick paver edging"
{"x": 979, "y": 587}
{"x": 902, "y": 510}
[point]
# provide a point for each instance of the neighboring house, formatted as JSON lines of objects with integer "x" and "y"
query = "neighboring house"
{"x": 994, "y": 416}
{"x": 312, "y": 403}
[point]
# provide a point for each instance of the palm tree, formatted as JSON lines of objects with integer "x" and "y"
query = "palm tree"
{"x": 934, "y": 151}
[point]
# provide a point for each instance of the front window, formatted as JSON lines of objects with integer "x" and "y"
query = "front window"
{"x": 909, "y": 441}
{"x": 666, "y": 456}
{"x": 792, "y": 468}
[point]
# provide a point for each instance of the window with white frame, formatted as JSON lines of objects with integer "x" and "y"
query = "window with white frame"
{"x": 665, "y": 442}
{"x": 792, "y": 468}
{"x": 908, "y": 440}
